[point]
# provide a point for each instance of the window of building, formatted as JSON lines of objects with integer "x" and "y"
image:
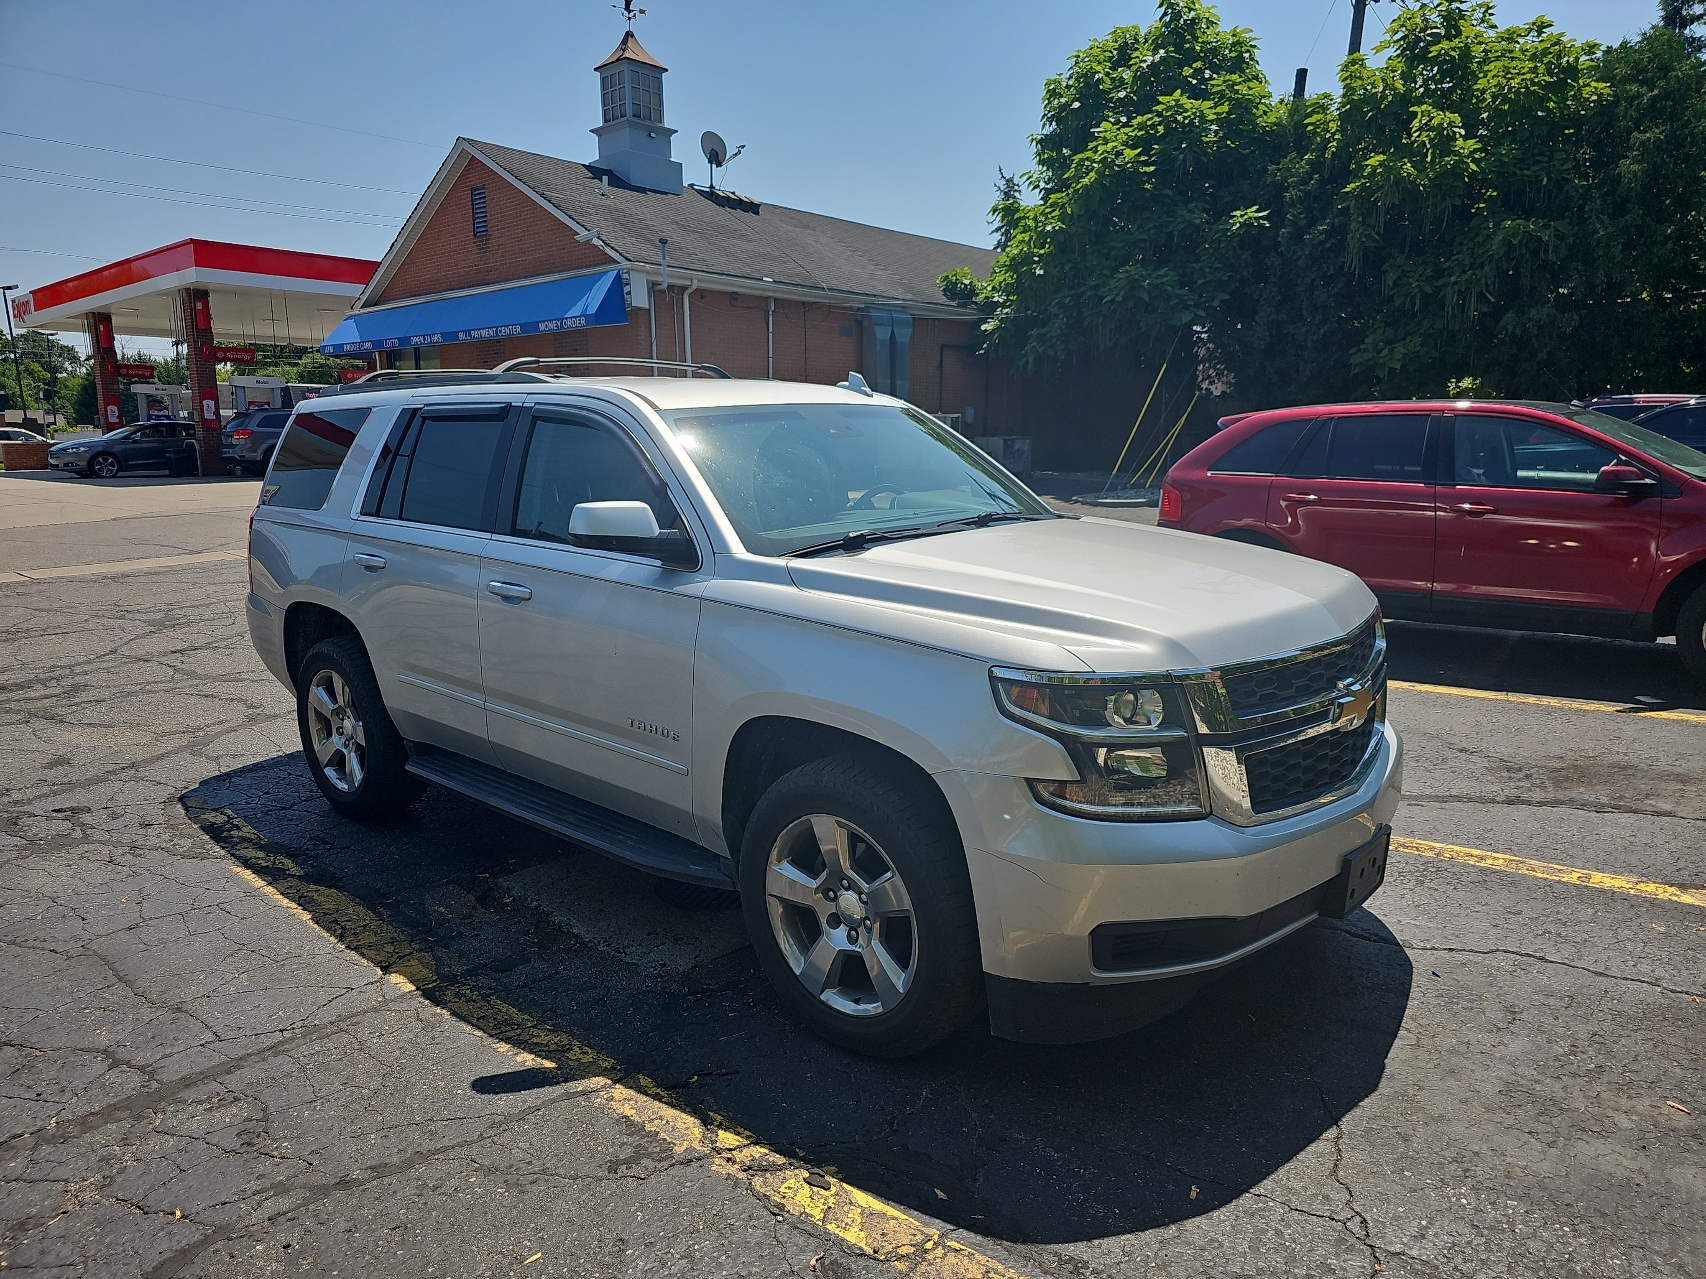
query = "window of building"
{"x": 615, "y": 100}
{"x": 477, "y": 197}
{"x": 309, "y": 456}
{"x": 645, "y": 96}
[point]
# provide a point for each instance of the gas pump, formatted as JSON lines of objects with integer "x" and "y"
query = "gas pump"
{"x": 258, "y": 392}
{"x": 158, "y": 403}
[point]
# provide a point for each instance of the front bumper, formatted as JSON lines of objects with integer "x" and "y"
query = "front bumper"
{"x": 79, "y": 463}
{"x": 1043, "y": 882}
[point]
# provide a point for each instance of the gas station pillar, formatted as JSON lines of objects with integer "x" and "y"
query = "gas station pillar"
{"x": 103, "y": 358}
{"x": 204, "y": 384}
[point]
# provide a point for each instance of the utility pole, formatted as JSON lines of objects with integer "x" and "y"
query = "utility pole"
{"x": 1359, "y": 10}
{"x": 1300, "y": 86}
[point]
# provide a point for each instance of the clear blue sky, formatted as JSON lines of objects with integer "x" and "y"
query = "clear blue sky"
{"x": 890, "y": 112}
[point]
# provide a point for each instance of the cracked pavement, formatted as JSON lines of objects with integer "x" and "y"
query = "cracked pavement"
{"x": 240, "y": 1037}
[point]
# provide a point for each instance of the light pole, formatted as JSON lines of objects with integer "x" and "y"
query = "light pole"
{"x": 17, "y": 364}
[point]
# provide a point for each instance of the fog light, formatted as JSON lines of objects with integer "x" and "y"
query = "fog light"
{"x": 1136, "y": 763}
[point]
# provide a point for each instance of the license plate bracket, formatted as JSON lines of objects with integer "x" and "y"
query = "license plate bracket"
{"x": 1363, "y": 871}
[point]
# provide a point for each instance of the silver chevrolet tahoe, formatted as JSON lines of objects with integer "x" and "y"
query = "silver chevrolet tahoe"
{"x": 953, "y": 750}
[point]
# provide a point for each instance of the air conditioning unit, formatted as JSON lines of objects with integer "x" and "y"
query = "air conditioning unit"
{"x": 1012, "y": 451}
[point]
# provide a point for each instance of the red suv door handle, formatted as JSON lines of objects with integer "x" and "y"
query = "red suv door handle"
{"x": 1475, "y": 508}
{"x": 1299, "y": 497}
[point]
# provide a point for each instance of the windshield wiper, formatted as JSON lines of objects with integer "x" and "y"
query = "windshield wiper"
{"x": 986, "y": 518}
{"x": 860, "y": 538}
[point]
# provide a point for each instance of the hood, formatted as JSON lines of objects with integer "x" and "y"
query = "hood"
{"x": 1118, "y": 596}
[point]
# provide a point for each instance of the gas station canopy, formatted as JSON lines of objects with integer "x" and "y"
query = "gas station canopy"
{"x": 256, "y": 295}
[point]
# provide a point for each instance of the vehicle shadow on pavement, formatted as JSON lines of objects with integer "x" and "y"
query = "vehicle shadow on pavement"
{"x": 574, "y": 959}
{"x": 1641, "y": 676}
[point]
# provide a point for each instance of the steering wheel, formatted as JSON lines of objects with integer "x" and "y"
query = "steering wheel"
{"x": 864, "y": 503}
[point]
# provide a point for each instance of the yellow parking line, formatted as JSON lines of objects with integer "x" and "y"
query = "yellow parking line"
{"x": 1549, "y": 870}
{"x": 1565, "y": 703}
{"x": 877, "y": 1229}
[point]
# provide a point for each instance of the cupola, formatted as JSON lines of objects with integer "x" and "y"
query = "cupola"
{"x": 632, "y": 140}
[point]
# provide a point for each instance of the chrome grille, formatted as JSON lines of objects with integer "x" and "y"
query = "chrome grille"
{"x": 1299, "y": 771}
{"x": 1308, "y": 679}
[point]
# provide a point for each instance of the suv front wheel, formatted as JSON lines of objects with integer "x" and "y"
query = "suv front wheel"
{"x": 354, "y": 752}
{"x": 857, "y": 900}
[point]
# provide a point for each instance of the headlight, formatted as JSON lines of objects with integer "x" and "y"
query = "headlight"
{"x": 1129, "y": 738}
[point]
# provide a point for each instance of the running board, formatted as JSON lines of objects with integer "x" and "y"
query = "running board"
{"x": 627, "y": 840}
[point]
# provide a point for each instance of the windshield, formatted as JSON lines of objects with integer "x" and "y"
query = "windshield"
{"x": 1644, "y": 439}
{"x": 121, "y": 432}
{"x": 793, "y": 476}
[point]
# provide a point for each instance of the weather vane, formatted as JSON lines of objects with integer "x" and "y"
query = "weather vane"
{"x": 628, "y": 11}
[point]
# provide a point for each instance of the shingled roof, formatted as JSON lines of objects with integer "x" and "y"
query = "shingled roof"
{"x": 732, "y": 236}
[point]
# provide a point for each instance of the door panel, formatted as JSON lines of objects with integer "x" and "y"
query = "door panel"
{"x": 1357, "y": 497}
{"x": 417, "y": 611}
{"x": 587, "y": 655}
{"x": 1522, "y": 531}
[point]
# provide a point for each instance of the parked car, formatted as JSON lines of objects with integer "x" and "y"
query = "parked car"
{"x": 141, "y": 446}
{"x": 1684, "y": 422}
{"x": 951, "y": 748}
{"x": 248, "y": 440}
{"x": 18, "y": 435}
{"x": 1629, "y": 407}
{"x": 1512, "y": 514}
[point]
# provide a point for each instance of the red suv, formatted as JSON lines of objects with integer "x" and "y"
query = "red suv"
{"x": 1513, "y": 514}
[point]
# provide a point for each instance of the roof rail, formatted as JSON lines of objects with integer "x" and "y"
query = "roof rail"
{"x": 387, "y": 379}
{"x": 529, "y": 362}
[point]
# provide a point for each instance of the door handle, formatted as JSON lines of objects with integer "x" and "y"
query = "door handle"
{"x": 368, "y": 560}
{"x": 1299, "y": 497}
{"x": 510, "y": 590}
{"x": 1475, "y": 508}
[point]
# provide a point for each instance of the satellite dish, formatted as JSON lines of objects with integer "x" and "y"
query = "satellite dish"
{"x": 715, "y": 149}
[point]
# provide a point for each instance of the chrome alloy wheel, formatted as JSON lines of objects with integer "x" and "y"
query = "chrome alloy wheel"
{"x": 105, "y": 466}
{"x": 841, "y": 915}
{"x": 340, "y": 745}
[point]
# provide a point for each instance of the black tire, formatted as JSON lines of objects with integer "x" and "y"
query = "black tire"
{"x": 364, "y": 775}
{"x": 890, "y": 819}
{"x": 1691, "y": 634}
{"x": 104, "y": 466}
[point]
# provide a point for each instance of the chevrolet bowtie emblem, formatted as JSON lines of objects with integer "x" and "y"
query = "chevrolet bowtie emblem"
{"x": 1356, "y": 704}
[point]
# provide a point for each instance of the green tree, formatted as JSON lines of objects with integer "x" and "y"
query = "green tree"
{"x": 1151, "y": 177}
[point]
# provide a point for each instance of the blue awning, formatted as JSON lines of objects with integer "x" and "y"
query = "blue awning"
{"x": 582, "y": 302}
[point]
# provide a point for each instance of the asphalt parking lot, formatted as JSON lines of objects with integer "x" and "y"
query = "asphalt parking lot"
{"x": 243, "y": 1038}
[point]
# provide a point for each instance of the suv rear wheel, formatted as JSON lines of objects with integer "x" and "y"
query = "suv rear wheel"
{"x": 857, "y": 900}
{"x": 1691, "y": 634}
{"x": 354, "y": 752}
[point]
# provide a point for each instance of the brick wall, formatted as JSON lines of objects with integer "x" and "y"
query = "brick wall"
{"x": 521, "y": 240}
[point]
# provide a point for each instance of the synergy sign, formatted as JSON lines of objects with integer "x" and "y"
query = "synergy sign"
{"x": 579, "y": 302}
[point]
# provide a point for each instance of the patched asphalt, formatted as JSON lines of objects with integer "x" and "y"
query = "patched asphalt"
{"x": 244, "y": 1037}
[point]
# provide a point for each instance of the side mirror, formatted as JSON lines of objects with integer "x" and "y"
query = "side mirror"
{"x": 1629, "y": 480}
{"x": 631, "y": 528}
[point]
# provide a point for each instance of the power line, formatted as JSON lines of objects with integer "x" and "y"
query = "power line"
{"x": 13, "y": 248}
{"x": 1319, "y": 30}
{"x": 203, "y": 204}
{"x": 218, "y": 106}
{"x": 223, "y": 168}
{"x": 210, "y": 195}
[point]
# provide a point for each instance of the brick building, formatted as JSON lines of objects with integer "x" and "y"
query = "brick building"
{"x": 510, "y": 253}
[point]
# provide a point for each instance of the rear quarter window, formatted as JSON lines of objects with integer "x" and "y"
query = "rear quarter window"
{"x": 1263, "y": 453}
{"x": 309, "y": 456}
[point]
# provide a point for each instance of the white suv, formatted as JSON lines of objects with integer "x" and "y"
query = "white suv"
{"x": 953, "y": 750}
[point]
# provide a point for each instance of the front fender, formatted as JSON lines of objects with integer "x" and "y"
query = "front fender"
{"x": 933, "y": 707}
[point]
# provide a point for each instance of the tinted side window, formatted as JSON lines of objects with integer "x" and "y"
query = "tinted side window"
{"x": 270, "y": 422}
{"x": 1263, "y": 453}
{"x": 1378, "y": 446}
{"x": 451, "y": 465}
{"x": 1505, "y": 452}
{"x": 1685, "y": 426}
{"x": 568, "y": 463}
{"x": 308, "y": 458}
